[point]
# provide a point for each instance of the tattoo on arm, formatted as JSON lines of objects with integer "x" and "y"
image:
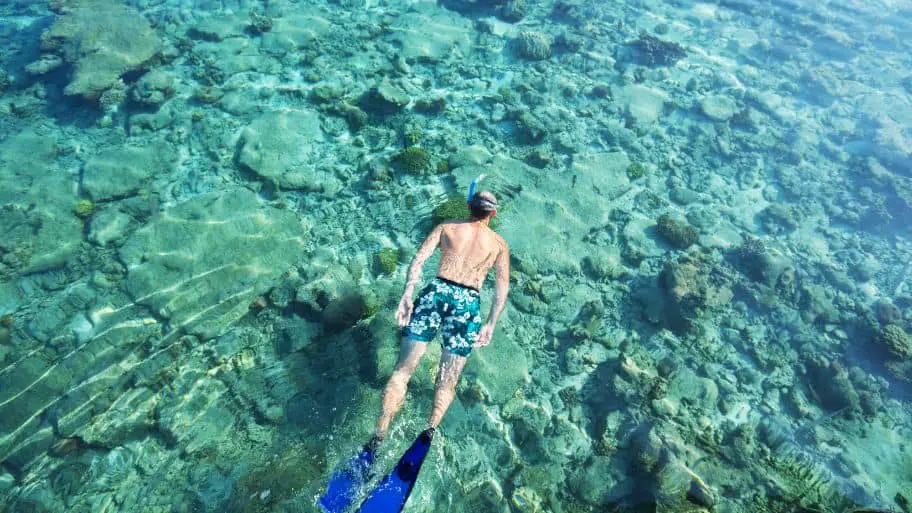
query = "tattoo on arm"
{"x": 502, "y": 270}
{"x": 424, "y": 252}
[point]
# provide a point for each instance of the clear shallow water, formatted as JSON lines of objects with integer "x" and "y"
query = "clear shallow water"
{"x": 707, "y": 204}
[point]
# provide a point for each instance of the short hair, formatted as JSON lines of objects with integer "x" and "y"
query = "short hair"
{"x": 482, "y": 204}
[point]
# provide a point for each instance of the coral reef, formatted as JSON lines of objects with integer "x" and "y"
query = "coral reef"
{"x": 513, "y": 11}
{"x": 679, "y": 234}
{"x": 113, "y": 97}
{"x": 653, "y": 51}
{"x": 198, "y": 280}
{"x": 412, "y": 160}
{"x": 434, "y": 105}
{"x": 259, "y": 22}
{"x": 759, "y": 263}
{"x": 533, "y": 46}
{"x": 896, "y": 340}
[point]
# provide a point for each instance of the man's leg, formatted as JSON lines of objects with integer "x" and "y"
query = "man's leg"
{"x": 410, "y": 353}
{"x": 447, "y": 376}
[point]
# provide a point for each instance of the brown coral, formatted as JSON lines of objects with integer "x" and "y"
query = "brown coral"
{"x": 896, "y": 340}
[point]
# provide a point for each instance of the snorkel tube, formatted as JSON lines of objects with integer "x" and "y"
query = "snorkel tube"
{"x": 472, "y": 185}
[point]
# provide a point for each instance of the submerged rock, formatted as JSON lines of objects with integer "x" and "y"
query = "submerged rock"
{"x": 693, "y": 285}
{"x": 40, "y": 229}
{"x": 109, "y": 226}
{"x": 154, "y": 88}
{"x": 296, "y": 31}
{"x": 103, "y": 40}
{"x": 282, "y": 147}
{"x": 202, "y": 280}
{"x": 120, "y": 172}
{"x": 718, "y": 107}
{"x": 830, "y": 385}
{"x": 385, "y": 98}
{"x": 700, "y": 494}
{"x": 344, "y": 311}
{"x": 432, "y": 36}
{"x": 45, "y": 64}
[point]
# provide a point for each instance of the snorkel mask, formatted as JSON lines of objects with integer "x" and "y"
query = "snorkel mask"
{"x": 481, "y": 203}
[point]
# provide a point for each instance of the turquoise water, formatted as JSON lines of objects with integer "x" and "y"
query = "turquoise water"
{"x": 708, "y": 208}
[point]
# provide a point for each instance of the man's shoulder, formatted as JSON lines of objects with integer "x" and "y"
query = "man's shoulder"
{"x": 501, "y": 242}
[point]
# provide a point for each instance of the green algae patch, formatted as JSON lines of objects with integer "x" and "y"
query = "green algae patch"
{"x": 84, "y": 209}
{"x": 387, "y": 260}
{"x": 636, "y": 170}
{"x": 453, "y": 209}
{"x": 412, "y": 160}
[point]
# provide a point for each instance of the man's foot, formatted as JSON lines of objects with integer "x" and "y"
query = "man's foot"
{"x": 429, "y": 433}
{"x": 375, "y": 441}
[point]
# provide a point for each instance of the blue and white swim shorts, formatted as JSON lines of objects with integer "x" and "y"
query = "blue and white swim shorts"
{"x": 449, "y": 304}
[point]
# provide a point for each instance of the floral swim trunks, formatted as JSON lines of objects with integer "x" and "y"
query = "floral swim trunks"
{"x": 447, "y": 303}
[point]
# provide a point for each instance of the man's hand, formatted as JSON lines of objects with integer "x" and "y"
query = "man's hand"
{"x": 404, "y": 312}
{"x": 484, "y": 336}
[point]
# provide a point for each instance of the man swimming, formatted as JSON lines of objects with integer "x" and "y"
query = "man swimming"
{"x": 449, "y": 303}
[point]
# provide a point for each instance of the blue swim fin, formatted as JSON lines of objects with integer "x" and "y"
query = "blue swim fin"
{"x": 347, "y": 479}
{"x": 393, "y": 491}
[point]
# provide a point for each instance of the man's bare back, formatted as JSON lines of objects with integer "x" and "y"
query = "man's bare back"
{"x": 467, "y": 252}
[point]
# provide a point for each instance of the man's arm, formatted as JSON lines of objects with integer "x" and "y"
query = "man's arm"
{"x": 424, "y": 252}
{"x": 502, "y": 284}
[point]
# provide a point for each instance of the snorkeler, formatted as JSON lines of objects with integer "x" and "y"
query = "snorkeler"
{"x": 449, "y": 304}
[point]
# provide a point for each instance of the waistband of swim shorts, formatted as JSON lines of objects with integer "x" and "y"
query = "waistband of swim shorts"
{"x": 456, "y": 284}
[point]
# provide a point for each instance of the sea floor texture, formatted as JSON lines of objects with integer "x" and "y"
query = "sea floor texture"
{"x": 208, "y": 208}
